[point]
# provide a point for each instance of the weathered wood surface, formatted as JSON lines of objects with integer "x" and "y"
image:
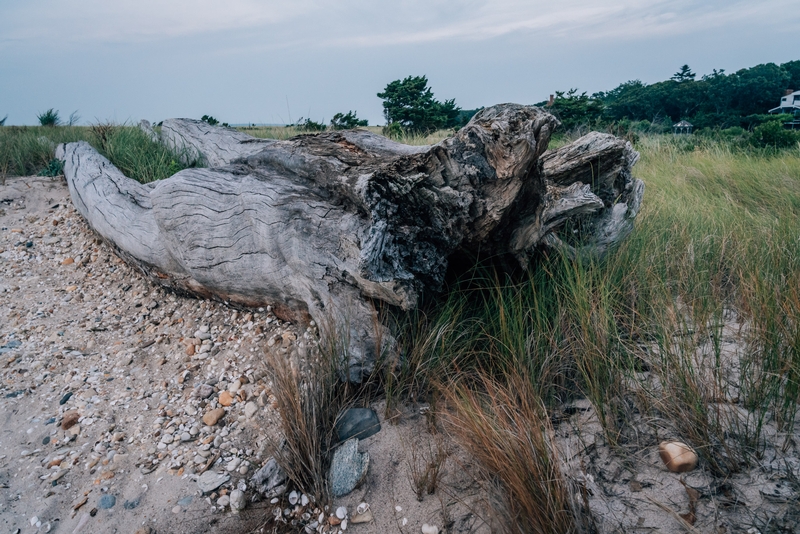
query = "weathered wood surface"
{"x": 319, "y": 225}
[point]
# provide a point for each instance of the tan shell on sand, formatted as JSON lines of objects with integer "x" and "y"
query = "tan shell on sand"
{"x": 677, "y": 456}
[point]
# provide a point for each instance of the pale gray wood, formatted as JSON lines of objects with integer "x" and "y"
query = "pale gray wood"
{"x": 321, "y": 226}
{"x": 217, "y": 146}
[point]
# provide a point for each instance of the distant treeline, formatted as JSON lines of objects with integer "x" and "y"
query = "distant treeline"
{"x": 716, "y": 100}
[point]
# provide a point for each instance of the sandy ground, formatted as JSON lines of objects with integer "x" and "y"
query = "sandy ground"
{"x": 105, "y": 379}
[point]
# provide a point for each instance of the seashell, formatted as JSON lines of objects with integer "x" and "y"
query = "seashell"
{"x": 362, "y": 508}
{"x": 341, "y": 512}
{"x": 304, "y": 500}
{"x": 293, "y": 498}
{"x": 677, "y": 456}
{"x": 306, "y": 516}
{"x": 343, "y": 526}
{"x": 430, "y": 529}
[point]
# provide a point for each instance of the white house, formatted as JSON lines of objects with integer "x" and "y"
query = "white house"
{"x": 790, "y": 103}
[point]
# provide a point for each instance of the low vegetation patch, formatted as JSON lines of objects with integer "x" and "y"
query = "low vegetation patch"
{"x": 29, "y": 150}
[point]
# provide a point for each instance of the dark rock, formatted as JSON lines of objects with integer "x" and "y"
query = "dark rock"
{"x": 65, "y": 398}
{"x": 130, "y": 505}
{"x": 358, "y": 423}
{"x": 46, "y": 440}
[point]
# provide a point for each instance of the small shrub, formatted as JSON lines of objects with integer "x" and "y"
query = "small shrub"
{"x": 49, "y": 118}
{"x": 54, "y": 168}
{"x": 308, "y": 125}
{"x": 347, "y": 121}
{"x": 209, "y": 119}
{"x": 773, "y": 134}
{"x": 393, "y": 130}
{"x": 426, "y": 467}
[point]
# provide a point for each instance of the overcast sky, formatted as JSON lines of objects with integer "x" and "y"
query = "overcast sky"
{"x": 268, "y": 61}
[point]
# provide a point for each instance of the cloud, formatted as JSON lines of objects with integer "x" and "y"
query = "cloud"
{"x": 142, "y": 20}
{"x": 369, "y": 23}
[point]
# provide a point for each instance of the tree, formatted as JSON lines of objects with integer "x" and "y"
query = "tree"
{"x": 347, "y": 121}
{"x": 574, "y": 109}
{"x": 684, "y": 75}
{"x": 410, "y": 103}
{"x": 792, "y": 68}
{"x": 209, "y": 119}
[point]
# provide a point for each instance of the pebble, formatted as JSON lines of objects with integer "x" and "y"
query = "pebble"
{"x": 107, "y": 501}
{"x": 225, "y": 398}
{"x": 176, "y": 509}
{"x": 678, "y": 457}
{"x": 238, "y": 501}
{"x": 212, "y": 417}
{"x": 92, "y": 336}
{"x": 232, "y": 465}
{"x": 70, "y": 419}
{"x": 209, "y": 481}
{"x": 223, "y": 501}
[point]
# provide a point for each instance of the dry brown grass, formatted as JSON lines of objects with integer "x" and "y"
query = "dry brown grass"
{"x": 309, "y": 398}
{"x": 505, "y": 427}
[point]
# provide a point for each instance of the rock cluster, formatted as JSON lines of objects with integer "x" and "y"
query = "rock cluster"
{"x": 110, "y": 384}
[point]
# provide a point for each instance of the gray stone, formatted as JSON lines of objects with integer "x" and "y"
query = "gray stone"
{"x": 237, "y": 500}
{"x": 209, "y": 481}
{"x": 348, "y": 469}
{"x": 107, "y": 501}
{"x": 358, "y": 423}
{"x": 269, "y": 477}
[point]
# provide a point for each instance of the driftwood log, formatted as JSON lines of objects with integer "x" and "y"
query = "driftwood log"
{"x": 320, "y": 226}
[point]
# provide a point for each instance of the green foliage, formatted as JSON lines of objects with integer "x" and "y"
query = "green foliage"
{"x": 411, "y": 104}
{"x": 54, "y": 168}
{"x": 49, "y": 118}
{"x": 793, "y": 69}
{"x": 717, "y": 100}
{"x": 773, "y": 134}
{"x": 575, "y": 110}
{"x": 308, "y": 125}
{"x": 26, "y": 150}
{"x": 347, "y": 121}
{"x": 464, "y": 116}
{"x": 137, "y": 155}
{"x": 638, "y": 333}
{"x": 209, "y": 119}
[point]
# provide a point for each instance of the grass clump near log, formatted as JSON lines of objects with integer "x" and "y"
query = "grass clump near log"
{"x": 689, "y": 329}
{"x": 137, "y": 155}
{"x": 29, "y": 150}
